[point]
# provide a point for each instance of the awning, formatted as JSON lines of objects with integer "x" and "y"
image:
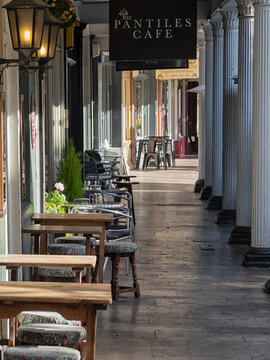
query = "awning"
{"x": 198, "y": 89}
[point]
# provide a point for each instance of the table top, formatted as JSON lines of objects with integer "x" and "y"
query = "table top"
{"x": 95, "y": 206}
{"x": 18, "y": 260}
{"x": 95, "y": 217}
{"x": 126, "y": 182}
{"x": 61, "y": 229}
{"x": 54, "y": 292}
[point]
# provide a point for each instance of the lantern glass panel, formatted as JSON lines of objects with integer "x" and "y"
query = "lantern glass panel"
{"x": 13, "y": 28}
{"x": 43, "y": 51}
{"x": 53, "y": 40}
{"x": 39, "y": 21}
{"x": 25, "y": 22}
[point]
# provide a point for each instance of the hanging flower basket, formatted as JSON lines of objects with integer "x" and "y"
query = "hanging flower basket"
{"x": 64, "y": 10}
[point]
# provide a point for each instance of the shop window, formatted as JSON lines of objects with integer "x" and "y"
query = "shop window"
{"x": 2, "y": 155}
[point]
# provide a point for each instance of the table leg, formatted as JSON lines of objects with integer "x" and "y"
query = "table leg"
{"x": 12, "y": 332}
{"x": 91, "y": 324}
{"x": 36, "y": 251}
{"x": 101, "y": 253}
{"x": 88, "y": 252}
{"x": 14, "y": 274}
{"x": 43, "y": 244}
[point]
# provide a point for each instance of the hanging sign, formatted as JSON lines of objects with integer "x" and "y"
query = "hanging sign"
{"x": 192, "y": 72}
{"x": 151, "y": 65}
{"x": 153, "y": 30}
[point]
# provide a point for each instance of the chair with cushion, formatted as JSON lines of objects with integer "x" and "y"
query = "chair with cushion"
{"x": 51, "y": 334}
{"x": 62, "y": 274}
{"x": 41, "y": 353}
{"x": 116, "y": 250}
{"x": 43, "y": 317}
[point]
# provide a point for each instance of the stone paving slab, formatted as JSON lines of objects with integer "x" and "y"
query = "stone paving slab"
{"x": 195, "y": 304}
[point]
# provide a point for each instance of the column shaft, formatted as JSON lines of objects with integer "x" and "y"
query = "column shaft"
{"x": 261, "y": 129}
{"x": 206, "y": 191}
{"x": 230, "y": 23}
{"x": 259, "y": 253}
{"x": 241, "y": 233}
{"x": 201, "y": 149}
{"x": 217, "y": 106}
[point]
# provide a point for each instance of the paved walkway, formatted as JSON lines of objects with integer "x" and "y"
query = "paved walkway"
{"x": 197, "y": 301}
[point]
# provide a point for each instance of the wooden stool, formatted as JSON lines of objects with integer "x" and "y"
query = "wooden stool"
{"x": 116, "y": 251}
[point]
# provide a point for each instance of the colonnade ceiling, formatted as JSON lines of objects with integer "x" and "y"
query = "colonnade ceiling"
{"x": 97, "y": 11}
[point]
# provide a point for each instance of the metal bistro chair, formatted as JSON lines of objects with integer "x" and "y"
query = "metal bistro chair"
{"x": 151, "y": 154}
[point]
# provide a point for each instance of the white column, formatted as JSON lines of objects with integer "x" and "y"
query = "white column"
{"x": 201, "y": 148}
{"x": 259, "y": 252}
{"x": 206, "y": 191}
{"x": 13, "y": 162}
{"x": 241, "y": 233}
{"x": 230, "y": 24}
{"x": 215, "y": 201}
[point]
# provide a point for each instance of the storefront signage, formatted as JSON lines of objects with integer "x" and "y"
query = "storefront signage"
{"x": 153, "y": 30}
{"x": 192, "y": 72}
{"x": 151, "y": 65}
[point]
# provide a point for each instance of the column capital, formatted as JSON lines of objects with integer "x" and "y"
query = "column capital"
{"x": 217, "y": 25}
{"x": 245, "y": 8}
{"x": 208, "y": 31}
{"x": 200, "y": 39}
{"x": 230, "y": 18}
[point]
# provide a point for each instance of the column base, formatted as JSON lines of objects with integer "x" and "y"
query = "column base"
{"x": 259, "y": 257}
{"x": 206, "y": 192}
{"x": 199, "y": 185}
{"x": 240, "y": 235}
{"x": 214, "y": 203}
{"x": 267, "y": 287}
{"x": 226, "y": 217}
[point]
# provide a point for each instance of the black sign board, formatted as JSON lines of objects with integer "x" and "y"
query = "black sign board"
{"x": 153, "y": 30}
{"x": 151, "y": 65}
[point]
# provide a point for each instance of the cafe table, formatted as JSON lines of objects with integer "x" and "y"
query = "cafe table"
{"x": 14, "y": 262}
{"x": 90, "y": 219}
{"x": 72, "y": 300}
{"x": 40, "y": 245}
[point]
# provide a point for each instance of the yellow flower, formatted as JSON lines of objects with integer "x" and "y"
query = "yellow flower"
{"x": 53, "y": 4}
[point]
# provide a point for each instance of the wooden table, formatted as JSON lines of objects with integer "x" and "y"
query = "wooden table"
{"x": 94, "y": 219}
{"x": 74, "y": 301}
{"x": 13, "y": 262}
{"x": 41, "y": 242}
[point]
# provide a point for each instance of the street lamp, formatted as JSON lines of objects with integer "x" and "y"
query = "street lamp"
{"x": 26, "y": 20}
{"x": 33, "y": 30}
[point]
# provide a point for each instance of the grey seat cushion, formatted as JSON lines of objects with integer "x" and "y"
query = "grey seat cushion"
{"x": 57, "y": 272}
{"x": 41, "y": 353}
{"x": 66, "y": 249}
{"x": 70, "y": 240}
{"x": 44, "y": 317}
{"x": 51, "y": 334}
{"x": 116, "y": 234}
{"x": 117, "y": 248}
